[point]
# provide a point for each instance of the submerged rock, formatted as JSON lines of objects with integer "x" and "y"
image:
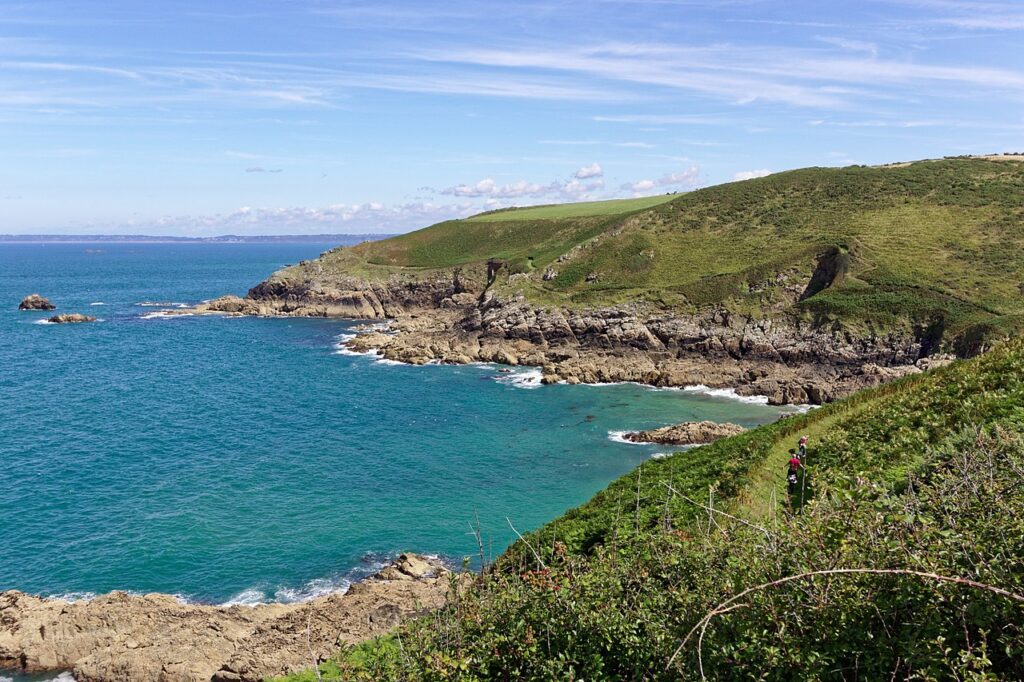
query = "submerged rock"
{"x": 35, "y": 302}
{"x": 71, "y": 318}
{"x": 687, "y": 433}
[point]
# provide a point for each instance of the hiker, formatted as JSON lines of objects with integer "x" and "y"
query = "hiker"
{"x": 794, "y": 466}
{"x": 803, "y": 446}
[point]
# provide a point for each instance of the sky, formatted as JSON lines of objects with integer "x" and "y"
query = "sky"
{"x": 335, "y": 116}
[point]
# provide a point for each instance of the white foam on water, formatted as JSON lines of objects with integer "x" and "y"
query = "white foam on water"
{"x": 162, "y": 304}
{"x": 6, "y": 679}
{"x": 529, "y": 378}
{"x": 313, "y": 589}
{"x": 94, "y": 303}
{"x": 75, "y": 596}
{"x": 320, "y": 587}
{"x": 728, "y": 393}
{"x": 43, "y": 322}
{"x": 163, "y": 315}
{"x": 388, "y": 361}
{"x": 620, "y": 437}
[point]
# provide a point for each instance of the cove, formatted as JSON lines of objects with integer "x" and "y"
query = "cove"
{"x": 248, "y": 460}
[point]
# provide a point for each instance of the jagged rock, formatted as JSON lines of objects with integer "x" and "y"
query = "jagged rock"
{"x": 119, "y": 636}
{"x": 687, "y": 433}
{"x": 71, "y": 318}
{"x": 35, "y": 302}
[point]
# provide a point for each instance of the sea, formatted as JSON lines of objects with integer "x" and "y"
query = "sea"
{"x": 242, "y": 460}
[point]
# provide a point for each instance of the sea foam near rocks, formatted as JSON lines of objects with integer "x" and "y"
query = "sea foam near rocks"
{"x": 620, "y": 437}
{"x": 163, "y": 315}
{"x": 529, "y": 378}
{"x": 728, "y": 393}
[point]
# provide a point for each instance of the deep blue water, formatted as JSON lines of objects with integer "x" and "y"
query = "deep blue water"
{"x": 245, "y": 459}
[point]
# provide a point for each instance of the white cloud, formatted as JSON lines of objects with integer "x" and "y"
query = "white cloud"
{"x": 687, "y": 178}
{"x": 567, "y": 190}
{"x": 751, "y": 174}
{"x": 366, "y": 218}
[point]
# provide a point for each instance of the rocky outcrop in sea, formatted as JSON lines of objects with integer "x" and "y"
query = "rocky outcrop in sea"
{"x": 687, "y": 433}
{"x": 35, "y": 302}
{"x": 70, "y": 318}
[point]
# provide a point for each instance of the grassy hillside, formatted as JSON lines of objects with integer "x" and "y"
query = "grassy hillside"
{"x": 937, "y": 246}
{"x": 920, "y": 480}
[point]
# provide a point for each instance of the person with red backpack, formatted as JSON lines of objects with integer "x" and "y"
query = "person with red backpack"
{"x": 795, "y": 464}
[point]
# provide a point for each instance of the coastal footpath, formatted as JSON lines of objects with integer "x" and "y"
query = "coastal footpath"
{"x": 121, "y": 636}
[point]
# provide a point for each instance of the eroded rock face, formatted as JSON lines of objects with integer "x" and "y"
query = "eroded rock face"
{"x": 687, "y": 433}
{"x": 155, "y": 637}
{"x": 71, "y": 318}
{"x": 456, "y": 317}
{"x": 35, "y": 302}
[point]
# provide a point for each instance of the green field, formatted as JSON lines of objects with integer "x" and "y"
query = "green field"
{"x": 583, "y": 209}
{"x": 933, "y": 245}
{"x": 921, "y": 479}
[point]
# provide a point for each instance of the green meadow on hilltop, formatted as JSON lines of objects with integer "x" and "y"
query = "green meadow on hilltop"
{"x": 933, "y": 245}
{"x": 911, "y": 513}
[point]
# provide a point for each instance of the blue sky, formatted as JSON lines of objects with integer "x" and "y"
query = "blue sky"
{"x": 296, "y": 116}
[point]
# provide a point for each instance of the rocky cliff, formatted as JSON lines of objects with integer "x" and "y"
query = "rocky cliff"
{"x": 454, "y": 318}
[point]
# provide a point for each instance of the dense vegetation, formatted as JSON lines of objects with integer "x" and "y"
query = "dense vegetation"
{"x": 935, "y": 248}
{"x": 900, "y": 556}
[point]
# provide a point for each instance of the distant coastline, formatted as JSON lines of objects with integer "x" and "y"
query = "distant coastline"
{"x": 157, "y": 239}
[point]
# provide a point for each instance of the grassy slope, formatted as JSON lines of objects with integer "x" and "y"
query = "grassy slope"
{"x": 935, "y": 244}
{"x": 924, "y": 474}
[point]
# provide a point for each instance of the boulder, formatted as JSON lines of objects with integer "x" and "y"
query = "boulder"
{"x": 71, "y": 318}
{"x": 687, "y": 433}
{"x": 35, "y": 302}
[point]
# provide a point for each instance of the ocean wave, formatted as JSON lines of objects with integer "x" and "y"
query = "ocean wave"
{"x": 529, "y": 378}
{"x": 43, "y": 322}
{"x": 728, "y": 393}
{"x": 94, "y": 303}
{"x": 72, "y": 597}
{"x": 161, "y": 304}
{"x": 312, "y": 589}
{"x": 163, "y": 315}
{"x": 620, "y": 437}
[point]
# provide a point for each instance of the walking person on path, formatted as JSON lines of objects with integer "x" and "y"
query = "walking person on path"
{"x": 795, "y": 464}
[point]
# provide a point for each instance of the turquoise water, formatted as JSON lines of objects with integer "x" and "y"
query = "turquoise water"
{"x": 239, "y": 459}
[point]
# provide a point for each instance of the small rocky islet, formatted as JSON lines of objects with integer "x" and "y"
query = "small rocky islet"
{"x": 687, "y": 433}
{"x": 36, "y": 302}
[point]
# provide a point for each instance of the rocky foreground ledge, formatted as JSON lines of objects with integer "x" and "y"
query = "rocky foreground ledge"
{"x": 119, "y": 636}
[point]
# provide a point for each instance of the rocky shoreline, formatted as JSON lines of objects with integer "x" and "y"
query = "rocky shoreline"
{"x": 457, "y": 318}
{"x": 119, "y": 636}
